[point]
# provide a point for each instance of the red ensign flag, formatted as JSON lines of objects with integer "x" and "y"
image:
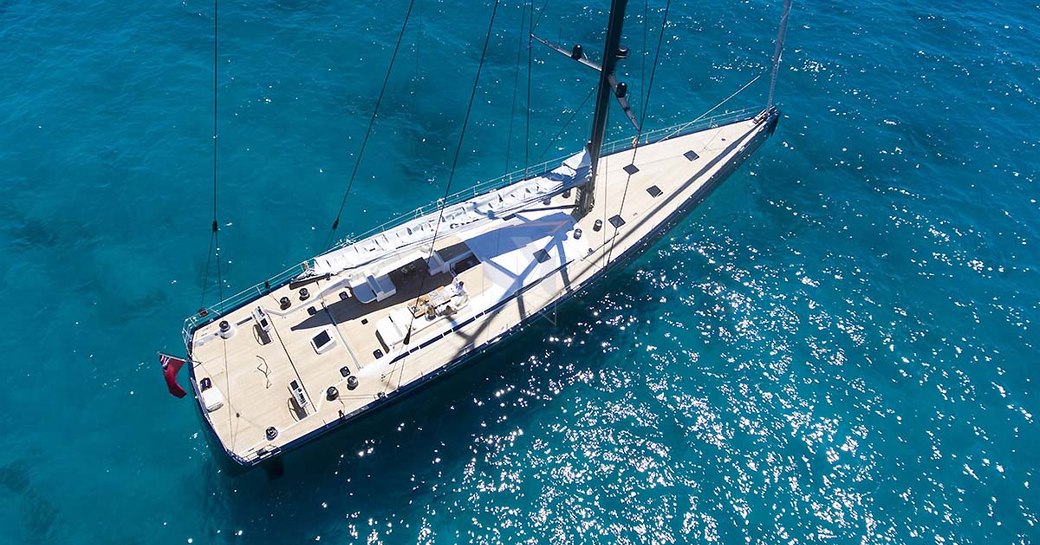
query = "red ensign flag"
{"x": 170, "y": 367}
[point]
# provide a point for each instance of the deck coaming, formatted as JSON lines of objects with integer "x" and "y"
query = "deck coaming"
{"x": 256, "y": 401}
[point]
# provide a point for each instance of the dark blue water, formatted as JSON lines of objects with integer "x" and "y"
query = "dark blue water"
{"x": 839, "y": 346}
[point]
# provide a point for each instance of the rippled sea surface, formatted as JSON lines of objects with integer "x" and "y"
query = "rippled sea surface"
{"x": 839, "y": 346}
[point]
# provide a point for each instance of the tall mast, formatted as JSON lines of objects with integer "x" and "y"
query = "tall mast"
{"x": 611, "y": 54}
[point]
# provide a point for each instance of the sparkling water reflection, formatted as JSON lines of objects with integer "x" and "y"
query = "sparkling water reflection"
{"x": 837, "y": 346}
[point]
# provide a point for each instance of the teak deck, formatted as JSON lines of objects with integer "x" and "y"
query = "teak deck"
{"x": 508, "y": 286}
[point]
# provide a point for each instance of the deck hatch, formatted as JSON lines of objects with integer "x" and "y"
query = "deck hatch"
{"x": 322, "y": 342}
{"x": 691, "y": 155}
{"x": 616, "y": 221}
{"x": 542, "y": 256}
{"x": 654, "y": 191}
{"x": 631, "y": 169}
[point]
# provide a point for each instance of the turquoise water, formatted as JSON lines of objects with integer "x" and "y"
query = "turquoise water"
{"x": 839, "y": 346}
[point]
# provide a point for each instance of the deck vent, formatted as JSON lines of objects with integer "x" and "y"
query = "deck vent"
{"x": 344, "y": 371}
{"x": 542, "y": 256}
{"x": 631, "y": 169}
{"x": 691, "y": 155}
{"x": 654, "y": 191}
{"x": 311, "y": 311}
{"x": 616, "y": 221}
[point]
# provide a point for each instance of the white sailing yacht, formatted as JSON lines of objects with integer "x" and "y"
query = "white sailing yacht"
{"x": 372, "y": 319}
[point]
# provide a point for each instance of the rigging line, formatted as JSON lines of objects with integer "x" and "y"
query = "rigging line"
{"x": 516, "y": 85}
{"x": 530, "y": 54}
{"x": 213, "y": 226}
{"x": 642, "y": 116}
{"x": 646, "y": 31}
{"x": 684, "y": 126}
{"x": 214, "y": 116}
{"x": 653, "y": 73}
{"x": 418, "y": 42}
{"x": 527, "y": 104}
{"x": 215, "y": 238}
{"x": 216, "y": 229}
{"x": 454, "y": 164}
{"x": 568, "y": 122}
{"x": 540, "y": 13}
{"x": 371, "y": 122}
